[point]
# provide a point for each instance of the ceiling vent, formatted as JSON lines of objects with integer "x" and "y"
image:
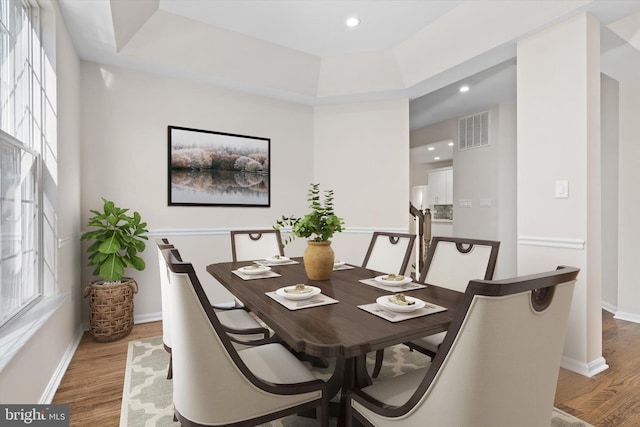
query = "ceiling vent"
{"x": 473, "y": 131}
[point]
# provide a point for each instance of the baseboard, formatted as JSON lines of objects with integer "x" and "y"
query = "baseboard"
{"x": 629, "y": 317}
{"x": 56, "y": 378}
{"x": 146, "y": 318}
{"x": 609, "y": 307}
{"x": 586, "y": 369}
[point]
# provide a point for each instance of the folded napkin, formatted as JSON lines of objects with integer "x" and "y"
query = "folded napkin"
{"x": 342, "y": 267}
{"x": 314, "y": 301}
{"x": 394, "y": 316}
{"x": 406, "y": 287}
{"x": 264, "y": 275}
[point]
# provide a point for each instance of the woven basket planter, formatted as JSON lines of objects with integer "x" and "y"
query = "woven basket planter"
{"x": 111, "y": 305}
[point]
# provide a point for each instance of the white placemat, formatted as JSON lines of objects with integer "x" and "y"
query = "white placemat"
{"x": 342, "y": 267}
{"x": 314, "y": 301}
{"x": 394, "y": 316}
{"x": 406, "y": 287}
{"x": 265, "y": 275}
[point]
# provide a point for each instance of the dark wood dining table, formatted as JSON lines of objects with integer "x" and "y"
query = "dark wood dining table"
{"x": 341, "y": 330}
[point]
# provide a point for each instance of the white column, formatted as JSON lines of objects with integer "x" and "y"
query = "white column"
{"x": 558, "y": 119}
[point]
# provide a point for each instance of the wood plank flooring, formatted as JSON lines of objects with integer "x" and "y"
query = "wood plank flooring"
{"x": 92, "y": 385}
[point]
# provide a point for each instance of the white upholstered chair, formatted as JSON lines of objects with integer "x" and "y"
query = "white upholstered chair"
{"x": 498, "y": 365}
{"x": 216, "y": 384}
{"x": 451, "y": 263}
{"x": 389, "y": 252}
{"x": 161, "y": 245}
{"x": 251, "y": 245}
{"x": 236, "y": 320}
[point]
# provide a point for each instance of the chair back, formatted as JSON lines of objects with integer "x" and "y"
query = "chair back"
{"x": 211, "y": 383}
{"x": 161, "y": 245}
{"x": 389, "y": 252}
{"x": 250, "y": 245}
{"x": 499, "y": 363}
{"x": 452, "y": 262}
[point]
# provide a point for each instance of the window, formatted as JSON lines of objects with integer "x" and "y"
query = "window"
{"x": 22, "y": 140}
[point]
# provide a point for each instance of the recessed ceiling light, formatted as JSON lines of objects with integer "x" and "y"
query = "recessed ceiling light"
{"x": 450, "y": 144}
{"x": 430, "y": 148}
{"x": 436, "y": 158}
{"x": 464, "y": 88}
{"x": 353, "y": 22}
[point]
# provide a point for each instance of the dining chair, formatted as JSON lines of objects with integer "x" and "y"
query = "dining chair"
{"x": 498, "y": 365}
{"x": 162, "y": 244}
{"x": 388, "y": 253}
{"x": 236, "y": 321}
{"x": 451, "y": 263}
{"x": 250, "y": 245}
{"x": 215, "y": 383}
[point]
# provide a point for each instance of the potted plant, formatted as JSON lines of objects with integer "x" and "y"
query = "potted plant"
{"x": 317, "y": 227}
{"x": 117, "y": 241}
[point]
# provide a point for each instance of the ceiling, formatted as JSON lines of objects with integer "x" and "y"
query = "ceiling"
{"x": 302, "y": 51}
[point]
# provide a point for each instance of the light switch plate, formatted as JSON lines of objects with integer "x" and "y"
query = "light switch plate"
{"x": 464, "y": 203}
{"x": 485, "y": 203}
{"x": 562, "y": 189}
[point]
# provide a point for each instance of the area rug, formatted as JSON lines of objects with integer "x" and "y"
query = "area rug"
{"x": 147, "y": 400}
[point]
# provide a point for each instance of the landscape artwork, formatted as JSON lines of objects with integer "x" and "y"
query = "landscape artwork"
{"x": 218, "y": 169}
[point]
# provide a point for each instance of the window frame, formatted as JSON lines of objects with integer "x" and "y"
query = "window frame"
{"x": 26, "y": 138}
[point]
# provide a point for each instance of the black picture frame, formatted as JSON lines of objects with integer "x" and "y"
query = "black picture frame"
{"x": 209, "y": 168}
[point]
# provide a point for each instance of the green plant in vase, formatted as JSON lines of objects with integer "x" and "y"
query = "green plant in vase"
{"x": 118, "y": 239}
{"x": 318, "y": 226}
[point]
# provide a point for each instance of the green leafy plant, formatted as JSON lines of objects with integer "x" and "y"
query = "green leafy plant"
{"x": 319, "y": 225}
{"x": 118, "y": 240}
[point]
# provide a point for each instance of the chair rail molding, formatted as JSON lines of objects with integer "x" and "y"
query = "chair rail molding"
{"x": 226, "y": 231}
{"x": 552, "y": 242}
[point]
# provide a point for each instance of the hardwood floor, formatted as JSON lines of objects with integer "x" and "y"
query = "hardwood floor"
{"x": 92, "y": 385}
{"x": 611, "y": 398}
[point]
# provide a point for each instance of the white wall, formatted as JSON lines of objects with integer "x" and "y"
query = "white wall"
{"x": 125, "y": 149}
{"x": 610, "y": 130}
{"x": 559, "y": 139}
{"x": 365, "y": 146}
{"x": 629, "y": 202}
{"x": 476, "y": 177}
{"x": 344, "y": 148}
{"x": 485, "y": 172}
{"x": 362, "y": 151}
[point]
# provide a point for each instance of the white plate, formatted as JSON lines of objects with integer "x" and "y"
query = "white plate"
{"x": 385, "y": 303}
{"x": 250, "y": 270}
{"x": 313, "y": 292}
{"x": 404, "y": 281}
{"x": 274, "y": 260}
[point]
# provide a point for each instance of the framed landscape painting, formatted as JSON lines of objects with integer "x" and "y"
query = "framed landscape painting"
{"x": 208, "y": 168}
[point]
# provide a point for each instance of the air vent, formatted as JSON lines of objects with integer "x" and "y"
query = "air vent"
{"x": 473, "y": 131}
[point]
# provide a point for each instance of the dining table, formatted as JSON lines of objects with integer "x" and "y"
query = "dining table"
{"x": 343, "y": 321}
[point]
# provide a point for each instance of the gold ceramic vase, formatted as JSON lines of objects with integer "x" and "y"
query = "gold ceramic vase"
{"x": 318, "y": 260}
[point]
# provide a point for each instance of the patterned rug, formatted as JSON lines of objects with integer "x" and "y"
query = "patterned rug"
{"x": 147, "y": 399}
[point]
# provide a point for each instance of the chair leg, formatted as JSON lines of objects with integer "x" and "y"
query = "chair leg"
{"x": 170, "y": 369}
{"x": 378, "y": 364}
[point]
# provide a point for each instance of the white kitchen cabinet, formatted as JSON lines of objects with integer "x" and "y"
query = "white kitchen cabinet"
{"x": 441, "y": 186}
